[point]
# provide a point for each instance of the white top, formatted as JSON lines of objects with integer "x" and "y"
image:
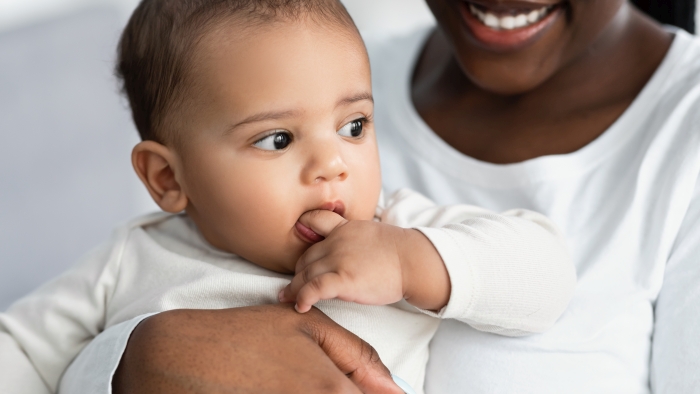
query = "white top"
{"x": 629, "y": 204}
{"x": 511, "y": 274}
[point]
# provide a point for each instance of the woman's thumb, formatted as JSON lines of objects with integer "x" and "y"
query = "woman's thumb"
{"x": 358, "y": 360}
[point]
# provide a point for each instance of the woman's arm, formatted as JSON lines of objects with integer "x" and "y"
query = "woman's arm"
{"x": 675, "y": 362}
{"x": 268, "y": 348}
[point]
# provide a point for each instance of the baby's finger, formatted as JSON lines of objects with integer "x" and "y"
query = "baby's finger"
{"x": 322, "y": 222}
{"x": 323, "y": 287}
{"x": 312, "y": 255}
{"x": 302, "y": 277}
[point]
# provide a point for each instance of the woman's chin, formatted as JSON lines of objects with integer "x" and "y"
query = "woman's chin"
{"x": 501, "y": 81}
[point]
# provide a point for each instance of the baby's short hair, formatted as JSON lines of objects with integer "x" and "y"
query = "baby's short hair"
{"x": 156, "y": 48}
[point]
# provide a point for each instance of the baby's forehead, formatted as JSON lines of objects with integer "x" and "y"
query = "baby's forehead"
{"x": 283, "y": 70}
{"x": 250, "y": 36}
{"x": 277, "y": 55}
{"x": 254, "y": 49}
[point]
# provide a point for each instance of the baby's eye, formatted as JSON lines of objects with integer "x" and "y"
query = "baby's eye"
{"x": 276, "y": 141}
{"x": 353, "y": 129}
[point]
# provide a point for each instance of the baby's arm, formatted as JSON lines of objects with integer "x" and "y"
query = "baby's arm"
{"x": 506, "y": 273}
{"x": 41, "y": 333}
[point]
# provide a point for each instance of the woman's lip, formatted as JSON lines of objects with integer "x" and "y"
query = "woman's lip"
{"x": 306, "y": 234}
{"x": 506, "y": 40}
{"x": 513, "y": 5}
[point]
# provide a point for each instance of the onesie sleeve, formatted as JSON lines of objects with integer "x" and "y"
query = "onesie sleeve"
{"x": 511, "y": 273}
{"x": 41, "y": 333}
{"x": 675, "y": 356}
{"x": 93, "y": 369}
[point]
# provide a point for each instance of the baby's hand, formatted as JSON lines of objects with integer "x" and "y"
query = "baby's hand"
{"x": 357, "y": 262}
{"x": 368, "y": 263}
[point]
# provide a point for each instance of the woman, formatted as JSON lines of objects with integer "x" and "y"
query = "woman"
{"x": 589, "y": 113}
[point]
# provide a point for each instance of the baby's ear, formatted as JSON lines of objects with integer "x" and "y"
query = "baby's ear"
{"x": 156, "y": 166}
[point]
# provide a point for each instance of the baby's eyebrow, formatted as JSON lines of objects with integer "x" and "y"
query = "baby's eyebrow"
{"x": 276, "y": 115}
{"x": 262, "y": 116}
{"x": 355, "y": 98}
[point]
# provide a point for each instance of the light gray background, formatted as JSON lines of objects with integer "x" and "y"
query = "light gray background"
{"x": 66, "y": 135}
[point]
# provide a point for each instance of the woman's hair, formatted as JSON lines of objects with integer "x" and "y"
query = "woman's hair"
{"x": 679, "y": 13}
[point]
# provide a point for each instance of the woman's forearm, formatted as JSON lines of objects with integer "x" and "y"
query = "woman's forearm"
{"x": 268, "y": 348}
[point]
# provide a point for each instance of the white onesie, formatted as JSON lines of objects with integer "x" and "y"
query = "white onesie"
{"x": 511, "y": 274}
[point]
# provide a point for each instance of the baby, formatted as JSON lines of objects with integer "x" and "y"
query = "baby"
{"x": 258, "y": 142}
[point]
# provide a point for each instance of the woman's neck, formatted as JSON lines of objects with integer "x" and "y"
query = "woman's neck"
{"x": 563, "y": 114}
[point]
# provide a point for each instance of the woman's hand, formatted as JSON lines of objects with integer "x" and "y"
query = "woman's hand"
{"x": 261, "y": 349}
{"x": 368, "y": 263}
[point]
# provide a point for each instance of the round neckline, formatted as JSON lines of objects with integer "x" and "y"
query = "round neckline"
{"x": 420, "y": 137}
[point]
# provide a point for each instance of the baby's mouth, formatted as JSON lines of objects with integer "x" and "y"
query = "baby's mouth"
{"x": 335, "y": 206}
{"x": 307, "y": 234}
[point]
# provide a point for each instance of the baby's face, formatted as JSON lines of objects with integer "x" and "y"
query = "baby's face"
{"x": 281, "y": 124}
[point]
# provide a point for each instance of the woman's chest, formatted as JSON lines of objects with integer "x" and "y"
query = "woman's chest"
{"x": 513, "y": 132}
{"x": 620, "y": 215}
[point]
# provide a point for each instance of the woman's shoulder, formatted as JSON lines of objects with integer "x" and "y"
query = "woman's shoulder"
{"x": 681, "y": 65}
{"x": 669, "y": 106}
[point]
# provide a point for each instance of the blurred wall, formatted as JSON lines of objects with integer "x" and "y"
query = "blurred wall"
{"x": 66, "y": 135}
{"x": 65, "y": 177}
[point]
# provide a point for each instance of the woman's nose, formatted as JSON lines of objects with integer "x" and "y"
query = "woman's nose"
{"x": 325, "y": 163}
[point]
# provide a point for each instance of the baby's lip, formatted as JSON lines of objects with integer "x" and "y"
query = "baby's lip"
{"x": 306, "y": 234}
{"x": 335, "y": 206}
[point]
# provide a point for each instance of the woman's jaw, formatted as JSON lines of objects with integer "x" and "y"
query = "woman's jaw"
{"x": 515, "y": 46}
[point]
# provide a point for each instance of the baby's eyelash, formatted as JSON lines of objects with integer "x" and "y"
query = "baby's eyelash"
{"x": 365, "y": 120}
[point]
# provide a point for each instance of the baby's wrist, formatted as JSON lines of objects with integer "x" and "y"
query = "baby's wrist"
{"x": 406, "y": 261}
{"x": 426, "y": 282}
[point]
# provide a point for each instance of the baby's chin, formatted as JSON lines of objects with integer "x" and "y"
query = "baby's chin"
{"x": 285, "y": 267}
{"x": 281, "y": 261}
{"x": 284, "y": 263}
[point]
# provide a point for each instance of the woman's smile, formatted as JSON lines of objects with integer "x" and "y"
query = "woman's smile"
{"x": 509, "y": 26}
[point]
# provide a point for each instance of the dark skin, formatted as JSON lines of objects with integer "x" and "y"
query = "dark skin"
{"x": 261, "y": 349}
{"x": 554, "y": 96}
{"x": 562, "y": 92}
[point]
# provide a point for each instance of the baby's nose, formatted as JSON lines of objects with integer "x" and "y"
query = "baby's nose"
{"x": 326, "y": 164}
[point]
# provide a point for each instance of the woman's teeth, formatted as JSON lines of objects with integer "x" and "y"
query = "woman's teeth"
{"x": 509, "y": 22}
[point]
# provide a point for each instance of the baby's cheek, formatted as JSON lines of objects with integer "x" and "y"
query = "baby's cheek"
{"x": 365, "y": 206}
{"x": 370, "y": 195}
{"x": 365, "y": 172}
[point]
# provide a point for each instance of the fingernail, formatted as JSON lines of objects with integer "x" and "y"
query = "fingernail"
{"x": 296, "y": 308}
{"x": 280, "y": 296}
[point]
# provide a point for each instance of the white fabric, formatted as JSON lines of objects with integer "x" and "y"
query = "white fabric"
{"x": 629, "y": 204}
{"x": 80, "y": 377}
{"x": 510, "y": 273}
